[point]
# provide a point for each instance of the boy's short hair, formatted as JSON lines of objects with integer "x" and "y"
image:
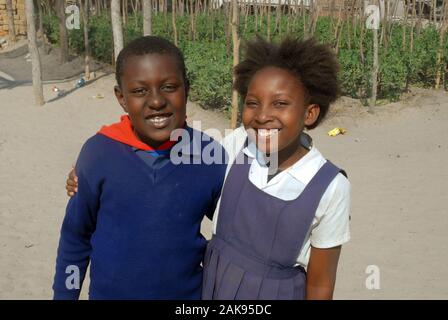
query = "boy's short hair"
{"x": 150, "y": 45}
{"x": 313, "y": 63}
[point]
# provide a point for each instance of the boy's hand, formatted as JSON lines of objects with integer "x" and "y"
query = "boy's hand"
{"x": 72, "y": 183}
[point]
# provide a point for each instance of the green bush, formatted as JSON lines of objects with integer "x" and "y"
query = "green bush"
{"x": 210, "y": 73}
{"x": 209, "y": 57}
{"x": 51, "y": 28}
{"x": 353, "y": 74}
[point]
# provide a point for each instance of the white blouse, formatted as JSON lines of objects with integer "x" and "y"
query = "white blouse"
{"x": 330, "y": 226}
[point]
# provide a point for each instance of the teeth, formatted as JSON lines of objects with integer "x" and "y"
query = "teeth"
{"x": 265, "y": 133}
{"x": 158, "y": 119}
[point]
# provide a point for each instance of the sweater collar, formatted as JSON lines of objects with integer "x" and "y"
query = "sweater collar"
{"x": 123, "y": 132}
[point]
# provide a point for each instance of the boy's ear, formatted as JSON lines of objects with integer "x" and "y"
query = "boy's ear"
{"x": 311, "y": 114}
{"x": 120, "y": 97}
{"x": 187, "y": 88}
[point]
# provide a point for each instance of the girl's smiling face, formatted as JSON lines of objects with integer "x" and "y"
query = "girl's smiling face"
{"x": 153, "y": 93}
{"x": 276, "y": 112}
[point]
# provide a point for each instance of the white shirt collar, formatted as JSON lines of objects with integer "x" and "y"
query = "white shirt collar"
{"x": 303, "y": 170}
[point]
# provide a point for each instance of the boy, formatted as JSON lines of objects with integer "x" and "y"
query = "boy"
{"x": 136, "y": 218}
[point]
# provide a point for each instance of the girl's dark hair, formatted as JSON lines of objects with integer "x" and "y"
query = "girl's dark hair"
{"x": 313, "y": 63}
{"x": 149, "y": 45}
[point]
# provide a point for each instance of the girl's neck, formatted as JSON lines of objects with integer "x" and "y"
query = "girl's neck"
{"x": 287, "y": 157}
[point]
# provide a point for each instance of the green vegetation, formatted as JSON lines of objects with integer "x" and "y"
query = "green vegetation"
{"x": 209, "y": 55}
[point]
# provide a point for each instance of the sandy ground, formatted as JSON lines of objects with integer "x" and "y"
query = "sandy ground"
{"x": 15, "y": 61}
{"x": 395, "y": 159}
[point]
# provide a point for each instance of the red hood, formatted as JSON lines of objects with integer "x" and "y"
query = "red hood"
{"x": 123, "y": 132}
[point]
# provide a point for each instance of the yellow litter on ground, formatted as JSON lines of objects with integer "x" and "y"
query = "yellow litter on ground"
{"x": 336, "y": 131}
{"x": 98, "y": 96}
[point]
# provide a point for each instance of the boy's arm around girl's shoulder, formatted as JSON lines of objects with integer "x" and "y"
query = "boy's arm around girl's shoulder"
{"x": 79, "y": 223}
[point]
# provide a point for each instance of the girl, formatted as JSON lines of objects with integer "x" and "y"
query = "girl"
{"x": 279, "y": 218}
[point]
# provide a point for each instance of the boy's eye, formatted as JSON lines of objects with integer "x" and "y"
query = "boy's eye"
{"x": 280, "y": 103}
{"x": 169, "y": 87}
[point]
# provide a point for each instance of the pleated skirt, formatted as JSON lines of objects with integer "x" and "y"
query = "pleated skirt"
{"x": 230, "y": 274}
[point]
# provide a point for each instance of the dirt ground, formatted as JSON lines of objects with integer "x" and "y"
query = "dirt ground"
{"x": 15, "y": 62}
{"x": 395, "y": 159}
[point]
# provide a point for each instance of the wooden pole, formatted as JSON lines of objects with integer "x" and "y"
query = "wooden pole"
{"x": 117, "y": 28}
{"x": 375, "y": 69}
{"x": 236, "y": 45}
{"x": 85, "y": 16}
{"x": 34, "y": 52}
{"x": 173, "y": 21}
{"x": 414, "y": 14}
{"x": 11, "y": 26}
{"x": 269, "y": 20}
{"x": 63, "y": 40}
{"x": 147, "y": 17}
{"x": 278, "y": 14}
{"x": 40, "y": 31}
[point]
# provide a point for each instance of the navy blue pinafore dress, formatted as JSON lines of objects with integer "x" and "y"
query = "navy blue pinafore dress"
{"x": 258, "y": 239}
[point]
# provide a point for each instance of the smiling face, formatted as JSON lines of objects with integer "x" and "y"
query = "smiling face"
{"x": 275, "y": 112}
{"x": 153, "y": 93}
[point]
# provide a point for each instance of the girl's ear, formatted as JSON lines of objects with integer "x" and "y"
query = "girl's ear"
{"x": 120, "y": 97}
{"x": 311, "y": 114}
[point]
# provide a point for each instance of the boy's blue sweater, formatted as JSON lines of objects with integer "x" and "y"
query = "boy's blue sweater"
{"x": 139, "y": 227}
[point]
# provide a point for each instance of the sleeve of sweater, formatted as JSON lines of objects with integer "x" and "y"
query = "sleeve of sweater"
{"x": 79, "y": 223}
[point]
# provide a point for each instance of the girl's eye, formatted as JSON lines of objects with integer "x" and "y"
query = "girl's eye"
{"x": 251, "y": 104}
{"x": 139, "y": 91}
